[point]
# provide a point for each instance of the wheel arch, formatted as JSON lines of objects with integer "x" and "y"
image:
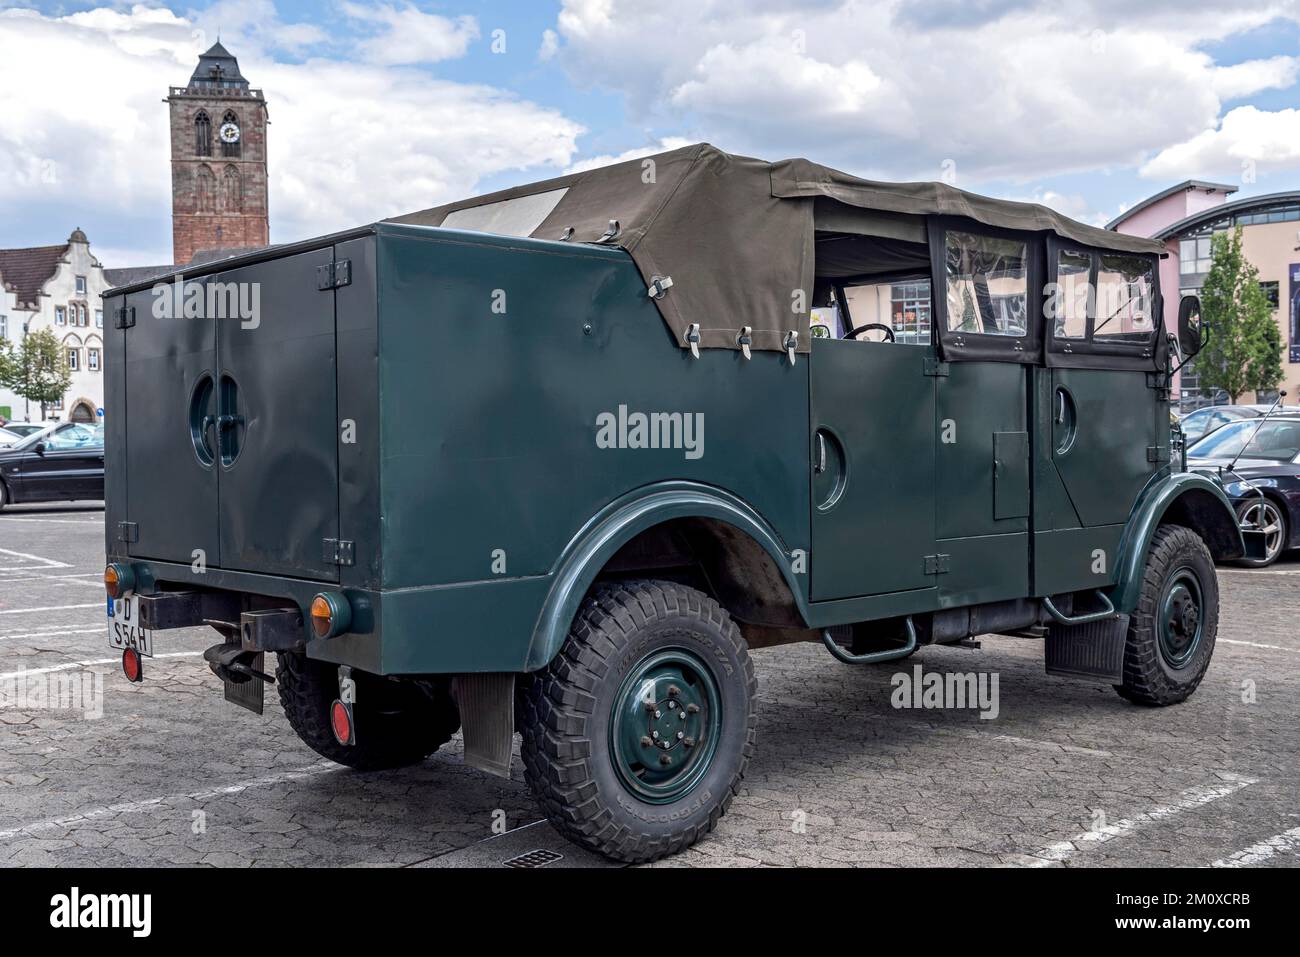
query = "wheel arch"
{"x": 1185, "y": 498}
{"x": 722, "y": 519}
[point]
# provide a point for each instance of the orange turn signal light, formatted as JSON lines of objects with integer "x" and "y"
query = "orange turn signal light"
{"x": 119, "y": 580}
{"x": 331, "y": 615}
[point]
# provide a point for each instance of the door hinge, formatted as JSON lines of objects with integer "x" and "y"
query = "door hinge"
{"x": 124, "y": 317}
{"x": 1157, "y": 453}
{"x": 1159, "y": 382}
{"x": 128, "y": 532}
{"x": 339, "y": 551}
{"x": 935, "y": 367}
{"x": 937, "y": 564}
{"x": 334, "y": 275}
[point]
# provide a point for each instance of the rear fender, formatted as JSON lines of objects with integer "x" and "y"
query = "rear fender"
{"x": 600, "y": 538}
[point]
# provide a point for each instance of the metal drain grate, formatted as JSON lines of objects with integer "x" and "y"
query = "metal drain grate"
{"x": 539, "y": 858}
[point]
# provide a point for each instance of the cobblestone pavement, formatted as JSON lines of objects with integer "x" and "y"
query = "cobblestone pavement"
{"x": 1067, "y": 774}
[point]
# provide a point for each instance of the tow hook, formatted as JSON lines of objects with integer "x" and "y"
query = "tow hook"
{"x": 230, "y": 662}
{"x": 341, "y": 718}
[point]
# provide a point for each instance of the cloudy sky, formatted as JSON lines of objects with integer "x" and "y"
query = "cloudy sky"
{"x": 382, "y": 108}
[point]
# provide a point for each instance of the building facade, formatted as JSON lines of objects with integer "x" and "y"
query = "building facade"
{"x": 218, "y": 152}
{"x": 1185, "y": 217}
{"x": 57, "y": 288}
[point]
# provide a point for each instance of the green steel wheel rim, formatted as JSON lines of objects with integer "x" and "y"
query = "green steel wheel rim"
{"x": 1181, "y": 624}
{"x": 667, "y": 717}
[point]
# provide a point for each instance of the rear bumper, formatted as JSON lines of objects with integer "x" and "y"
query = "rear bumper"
{"x": 465, "y": 628}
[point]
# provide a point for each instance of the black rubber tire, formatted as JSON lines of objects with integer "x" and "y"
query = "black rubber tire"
{"x": 397, "y": 723}
{"x": 1244, "y": 507}
{"x": 566, "y": 719}
{"x": 4, "y": 496}
{"x": 1148, "y": 678}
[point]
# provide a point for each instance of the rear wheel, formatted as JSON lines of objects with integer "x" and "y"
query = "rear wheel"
{"x": 4, "y": 496}
{"x": 1171, "y": 634}
{"x": 397, "y": 722}
{"x": 636, "y": 737}
{"x": 1267, "y": 516}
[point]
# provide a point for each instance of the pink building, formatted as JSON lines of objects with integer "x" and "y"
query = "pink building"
{"x": 1185, "y": 217}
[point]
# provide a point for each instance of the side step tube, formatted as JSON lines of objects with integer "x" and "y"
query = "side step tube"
{"x": 1108, "y": 612}
{"x": 871, "y": 657}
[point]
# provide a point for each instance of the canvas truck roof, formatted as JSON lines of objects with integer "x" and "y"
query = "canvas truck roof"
{"x": 735, "y": 234}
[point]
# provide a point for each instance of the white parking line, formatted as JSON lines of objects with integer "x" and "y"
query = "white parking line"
{"x": 1287, "y": 841}
{"x": 84, "y": 578}
{"x": 1191, "y": 799}
{"x": 1256, "y": 644}
{"x": 55, "y": 633}
{"x": 17, "y": 519}
{"x": 134, "y": 807}
{"x": 69, "y": 665}
{"x": 102, "y": 605}
{"x": 42, "y": 562}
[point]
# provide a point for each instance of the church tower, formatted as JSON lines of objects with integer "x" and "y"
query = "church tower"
{"x": 218, "y": 133}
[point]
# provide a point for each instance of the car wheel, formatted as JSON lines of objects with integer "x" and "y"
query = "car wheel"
{"x": 1267, "y": 516}
{"x": 1172, "y": 631}
{"x": 4, "y": 496}
{"x": 636, "y": 737}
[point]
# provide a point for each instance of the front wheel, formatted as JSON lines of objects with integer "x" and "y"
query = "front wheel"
{"x": 1171, "y": 634}
{"x": 637, "y": 735}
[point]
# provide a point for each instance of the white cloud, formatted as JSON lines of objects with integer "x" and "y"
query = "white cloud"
{"x": 1249, "y": 140}
{"x": 408, "y": 35}
{"x": 663, "y": 145}
{"x": 349, "y": 142}
{"x": 1011, "y": 90}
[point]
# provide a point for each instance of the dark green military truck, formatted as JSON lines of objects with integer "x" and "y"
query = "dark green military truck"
{"x": 553, "y": 460}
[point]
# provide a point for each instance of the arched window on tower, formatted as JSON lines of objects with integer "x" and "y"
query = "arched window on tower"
{"x": 205, "y": 190}
{"x": 228, "y": 148}
{"x": 232, "y": 193}
{"x": 202, "y": 134}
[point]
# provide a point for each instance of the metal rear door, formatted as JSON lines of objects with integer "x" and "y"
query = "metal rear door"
{"x": 171, "y": 484}
{"x": 277, "y": 419}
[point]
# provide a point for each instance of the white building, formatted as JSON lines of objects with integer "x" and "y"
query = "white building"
{"x": 57, "y": 288}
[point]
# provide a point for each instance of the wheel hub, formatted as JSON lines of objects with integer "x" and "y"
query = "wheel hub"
{"x": 665, "y": 727}
{"x": 1180, "y": 618}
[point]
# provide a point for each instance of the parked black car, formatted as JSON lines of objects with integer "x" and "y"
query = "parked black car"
{"x": 60, "y": 464}
{"x": 1264, "y": 485}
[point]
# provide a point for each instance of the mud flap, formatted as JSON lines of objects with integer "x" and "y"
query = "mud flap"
{"x": 251, "y": 692}
{"x": 487, "y": 718}
{"x": 1094, "y": 650}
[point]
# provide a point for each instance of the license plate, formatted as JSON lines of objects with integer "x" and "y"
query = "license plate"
{"x": 124, "y": 629}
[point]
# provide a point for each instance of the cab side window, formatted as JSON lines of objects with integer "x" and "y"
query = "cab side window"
{"x": 1102, "y": 308}
{"x": 902, "y": 304}
{"x": 987, "y": 281}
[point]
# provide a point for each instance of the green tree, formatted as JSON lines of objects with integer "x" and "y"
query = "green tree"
{"x": 1244, "y": 351}
{"x": 37, "y": 370}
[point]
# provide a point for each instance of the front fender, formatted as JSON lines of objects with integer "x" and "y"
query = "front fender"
{"x": 617, "y": 524}
{"x": 1192, "y": 499}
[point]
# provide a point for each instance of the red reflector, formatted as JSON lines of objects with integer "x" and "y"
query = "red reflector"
{"x": 132, "y": 666}
{"x": 341, "y": 722}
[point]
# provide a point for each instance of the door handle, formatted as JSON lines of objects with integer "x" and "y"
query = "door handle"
{"x": 1060, "y": 406}
{"x": 820, "y": 465}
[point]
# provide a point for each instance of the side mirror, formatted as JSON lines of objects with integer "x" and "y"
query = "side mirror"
{"x": 1190, "y": 334}
{"x": 39, "y": 448}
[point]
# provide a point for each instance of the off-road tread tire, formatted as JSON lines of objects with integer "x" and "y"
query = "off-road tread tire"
{"x": 558, "y": 704}
{"x": 395, "y": 726}
{"x": 1146, "y": 681}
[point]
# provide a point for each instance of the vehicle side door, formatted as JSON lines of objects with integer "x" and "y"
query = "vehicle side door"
{"x": 988, "y": 318}
{"x": 57, "y": 467}
{"x": 1102, "y": 406}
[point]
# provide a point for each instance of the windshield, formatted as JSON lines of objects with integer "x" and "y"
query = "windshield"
{"x": 1278, "y": 441}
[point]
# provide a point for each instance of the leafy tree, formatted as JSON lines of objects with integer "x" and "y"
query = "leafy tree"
{"x": 37, "y": 370}
{"x": 1244, "y": 352}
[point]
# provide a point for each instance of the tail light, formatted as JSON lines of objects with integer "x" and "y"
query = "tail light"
{"x": 331, "y": 615}
{"x": 119, "y": 580}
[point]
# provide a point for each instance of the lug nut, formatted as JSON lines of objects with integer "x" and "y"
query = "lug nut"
{"x": 655, "y": 735}
{"x": 659, "y": 714}
{"x": 680, "y": 735}
{"x": 682, "y": 716}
